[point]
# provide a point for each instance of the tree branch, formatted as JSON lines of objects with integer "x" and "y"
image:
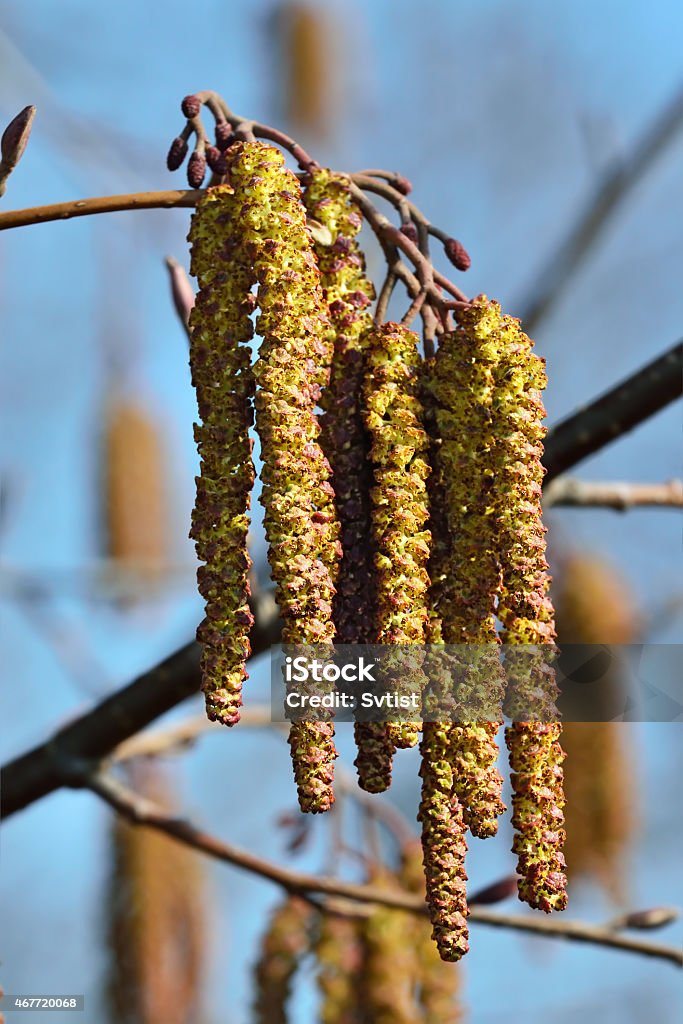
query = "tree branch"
{"x": 618, "y": 496}
{"x": 614, "y": 413}
{"x": 100, "y": 204}
{"x": 598, "y": 211}
{"x": 141, "y": 811}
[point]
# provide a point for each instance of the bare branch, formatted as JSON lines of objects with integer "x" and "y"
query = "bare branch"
{"x": 100, "y": 204}
{"x": 614, "y": 413}
{"x": 565, "y": 491}
{"x": 609, "y": 195}
{"x": 141, "y": 811}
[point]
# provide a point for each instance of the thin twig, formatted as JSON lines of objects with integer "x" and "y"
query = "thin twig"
{"x": 169, "y": 199}
{"x": 141, "y": 811}
{"x": 609, "y": 195}
{"x": 614, "y": 413}
{"x": 565, "y": 491}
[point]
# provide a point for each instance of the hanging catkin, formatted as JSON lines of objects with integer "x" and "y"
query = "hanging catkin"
{"x": 284, "y": 943}
{"x": 444, "y": 844}
{"x": 393, "y": 417}
{"x": 220, "y": 359}
{"x": 595, "y": 606}
{"x": 387, "y": 989}
{"x": 155, "y": 920}
{"x": 338, "y": 951}
{"x": 438, "y": 983}
{"x": 293, "y": 364}
{"x": 465, "y": 566}
{"x": 135, "y": 499}
{"x": 525, "y": 609}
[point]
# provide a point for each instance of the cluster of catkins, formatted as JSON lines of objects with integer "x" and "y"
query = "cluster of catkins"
{"x": 402, "y": 507}
{"x": 380, "y": 968}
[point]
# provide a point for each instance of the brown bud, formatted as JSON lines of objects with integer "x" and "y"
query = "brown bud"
{"x": 495, "y": 892}
{"x": 181, "y": 290}
{"x": 457, "y": 254}
{"x": 224, "y": 134}
{"x": 176, "y": 153}
{"x": 190, "y": 106}
{"x": 13, "y": 143}
{"x": 196, "y": 170}
{"x": 403, "y": 185}
{"x": 655, "y": 917}
{"x": 410, "y": 231}
{"x": 216, "y": 160}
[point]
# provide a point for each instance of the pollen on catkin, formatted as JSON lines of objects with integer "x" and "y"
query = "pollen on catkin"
{"x": 338, "y": 951}
{"x": 524, "y": 608}
{"x": 220, "y": 359}
{"x": 393, "y": 417}
{"x": 465, "y": 565}
{"x": 293, "y": 365}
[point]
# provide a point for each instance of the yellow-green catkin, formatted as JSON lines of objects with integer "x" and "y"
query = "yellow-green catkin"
{"x": 286, "y": 941}
{"x": 444, "y": 844}
{"x": 387, "y": 983}
{"x": 220, "y": 359}
{"x": 393, "y": 417}
{"x": 438, "y": 984}
{"x": 465, "y": 566}
{"x": 525, "y": 609}
{"x": 338, "y": 950}
{"x": 293, "y": 366}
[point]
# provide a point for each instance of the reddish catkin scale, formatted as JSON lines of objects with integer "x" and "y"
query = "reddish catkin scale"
{"x": 293, "y": 365}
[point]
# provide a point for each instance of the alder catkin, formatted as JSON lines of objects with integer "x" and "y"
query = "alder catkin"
{"x": 220, "y": 359}
{"x": 444, "y": 844}
{"x": 155, "y": 913}
{"x": 293, "y": 365}
{"x": 594, "y": 605}
{"x": 524, "y": 609}
{"x": 338, "y": 951}
{"x": 286, "y": 940}
{"x": 465, "y": 565}
{"x": 393, "y": 417}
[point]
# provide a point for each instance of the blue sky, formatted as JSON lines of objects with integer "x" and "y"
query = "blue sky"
{"x": 503, "y": 114}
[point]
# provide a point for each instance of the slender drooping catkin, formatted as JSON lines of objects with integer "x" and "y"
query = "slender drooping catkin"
{"x": 285, "y": 942}
{"x": 348, "y": 293}
{"x": 465, "y": 566}
{"x": 293, "y": 364}
{"x": 136, "y": 525}
{"x": 444, "y": 844}
{"x": 155, "y": 919}
{"x": 393, "y": 417}
{"x": 594, "y": 606}
{"x": 524, "y": 608}
{"x": 220, "y": 359}
{"x": 438, "y": 984}
{"x": 338, "y": 951}
{"x": 387, "y": 988}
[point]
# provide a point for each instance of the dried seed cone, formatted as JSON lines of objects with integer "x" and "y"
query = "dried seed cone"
{"x": 387, "y": 981}
{"x": 443, "y": 845}
{"x": 285, "y": 942}
{"x": 220, "y": 359}
{"x": 438, "y": 983}
{"x": 338, "y": 950}
{"x": 293, "y": 364}
{"x": 347, "y": 293}
{"x": 393, "y": 417}
{"x": 525, "y": 609}
{"x": 465, "y": 564}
